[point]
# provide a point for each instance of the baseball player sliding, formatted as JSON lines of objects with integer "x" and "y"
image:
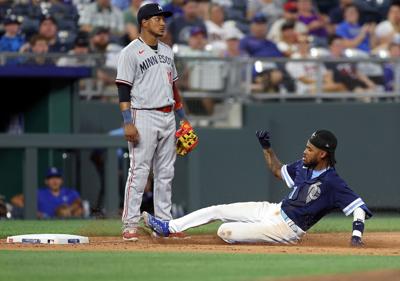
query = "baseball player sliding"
{"x": 316, "y": 190}
{"x": 148, "y": 96}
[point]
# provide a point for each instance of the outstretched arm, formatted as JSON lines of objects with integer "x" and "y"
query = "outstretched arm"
{"x": 358, "y": 227}
{"x": 273, "y": 162}
{"x": 270, "y": 157}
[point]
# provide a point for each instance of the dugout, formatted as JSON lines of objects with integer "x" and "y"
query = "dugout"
{"x": 46, "y": 97}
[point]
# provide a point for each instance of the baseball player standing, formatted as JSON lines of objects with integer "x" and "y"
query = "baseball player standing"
{"x": 148, "y": 96}
{"x": 317, "y": 190}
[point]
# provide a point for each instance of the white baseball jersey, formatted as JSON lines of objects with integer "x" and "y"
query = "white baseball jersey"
{"x": 149, "y": 72}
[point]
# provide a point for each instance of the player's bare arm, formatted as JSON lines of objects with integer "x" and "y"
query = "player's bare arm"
{"x": 270, "y": 157}
{"x": 273, "y": 162}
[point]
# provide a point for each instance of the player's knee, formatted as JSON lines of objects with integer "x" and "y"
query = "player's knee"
{"x": 225, "y": 233}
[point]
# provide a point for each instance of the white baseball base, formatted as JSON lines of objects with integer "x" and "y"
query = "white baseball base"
{"x": 48, "y": 239}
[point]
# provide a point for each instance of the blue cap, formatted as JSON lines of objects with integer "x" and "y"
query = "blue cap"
{"x": 259, "y": 18}
{"x": 194, "y": 30}
{"x": 53, "y": 172}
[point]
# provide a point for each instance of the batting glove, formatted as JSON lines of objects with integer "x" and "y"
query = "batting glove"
{"x": 264, "y": 138}
{"x": 356, "y": 241}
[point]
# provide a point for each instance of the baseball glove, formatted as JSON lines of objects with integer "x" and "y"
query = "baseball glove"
{"x": 186, "y": 138}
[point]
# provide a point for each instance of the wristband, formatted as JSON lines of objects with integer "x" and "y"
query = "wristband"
{"x": 127, "y": 115}
{"x": 181, "y": 113}
{"x": 358, "y": 228}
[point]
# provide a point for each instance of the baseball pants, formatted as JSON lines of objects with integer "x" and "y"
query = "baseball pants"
{"x": 244, "y": 222}
{"x": 156, "y": 148}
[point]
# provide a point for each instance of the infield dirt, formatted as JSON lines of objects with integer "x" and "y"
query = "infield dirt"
{"x": 377, "y": 243}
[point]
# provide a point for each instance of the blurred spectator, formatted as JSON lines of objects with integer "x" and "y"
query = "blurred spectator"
{"x": 102, "y": 14}
{"x": 217, "y": 27}
{"x": 121, "y": 4}
{"x": 130, "y": 21}
{"x": 324, "y": 6}
{"x": 77, "y": 54}
{"x": 271, "y": 9}
{"x": 268, "y": 76}
{"x": 39, "y": 48}
{"x": 255, "y": 44}
{"x": 306, "y": 73}
{"x": 289, "y": 15}
{"x": 66, "y": 14}
{"x": 30, "y": 13}
{"x": 175, "y": 7}
{"x": 200, "y": 75}
{"x": 5, "y": 7}
{"x": 12, "y": 40}
{"x": 288, "y": 43}
{"x": 315, "y": 22}
{"x": 78, "y": 57}
{"x": 235, "y": 10}
{"x": 354, "y": 35}
{"x": 388, "y": 30}
{"x": 346, "y": 73}
{"x": 336, "y": 14}
{"x": 54, "y": 200}
{"x": 232, "y": 40}
{"x": 389, "y": 67}
{"x": 101, "y": 44}
{"x": 180, "y": 26}
{"x": 373, "y": 10}
{"x": 48, "y": 29}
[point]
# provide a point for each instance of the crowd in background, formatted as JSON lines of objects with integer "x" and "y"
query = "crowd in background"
{"x": 218, "y": 28}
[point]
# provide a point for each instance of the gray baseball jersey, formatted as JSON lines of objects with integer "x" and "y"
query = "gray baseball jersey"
{"x": 149, "y": 73}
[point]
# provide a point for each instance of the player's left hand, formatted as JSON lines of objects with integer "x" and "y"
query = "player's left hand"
{"x": 356, "y": 241}
{"x": 186, "y": 138}
{"x": 264, "y": 138}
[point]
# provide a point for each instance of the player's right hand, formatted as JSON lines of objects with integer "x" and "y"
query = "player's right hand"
{"x": 264, "y": 138}
{"x": 131, "y": 133}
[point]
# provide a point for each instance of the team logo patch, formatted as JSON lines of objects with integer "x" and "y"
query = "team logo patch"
{"x": 314, "y": 191}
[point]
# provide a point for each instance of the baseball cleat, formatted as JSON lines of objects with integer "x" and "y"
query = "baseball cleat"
{"x": 160, "y": 227}
{"x": 130, "y": 234}
{"x": 178, "y": 235}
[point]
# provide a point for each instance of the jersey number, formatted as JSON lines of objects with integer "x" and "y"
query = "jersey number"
{"x": 169, "y": 74}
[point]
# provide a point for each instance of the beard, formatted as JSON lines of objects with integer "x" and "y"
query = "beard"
{"x": 310, "y": 164}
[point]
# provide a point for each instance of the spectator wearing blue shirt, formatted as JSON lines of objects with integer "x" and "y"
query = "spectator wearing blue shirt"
{"x": 272, "y": 76}
{"x": 179, "y": 26}
{"x": 255, "y": 44}
{"x": 57, "y": 201}
{"x": 355, "y": 35}
{"x": 12, "y": 40}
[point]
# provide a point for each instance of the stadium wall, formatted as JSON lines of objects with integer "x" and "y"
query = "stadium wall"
{"x": 228, "y": 165}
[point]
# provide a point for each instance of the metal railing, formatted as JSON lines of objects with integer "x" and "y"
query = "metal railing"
{"x": 221, "y": 78}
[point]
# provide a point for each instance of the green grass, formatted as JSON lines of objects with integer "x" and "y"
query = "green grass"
{"x": 148, "y": 266}
{"x": 333, "y": 223}
{"x": 42, "y": 266}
